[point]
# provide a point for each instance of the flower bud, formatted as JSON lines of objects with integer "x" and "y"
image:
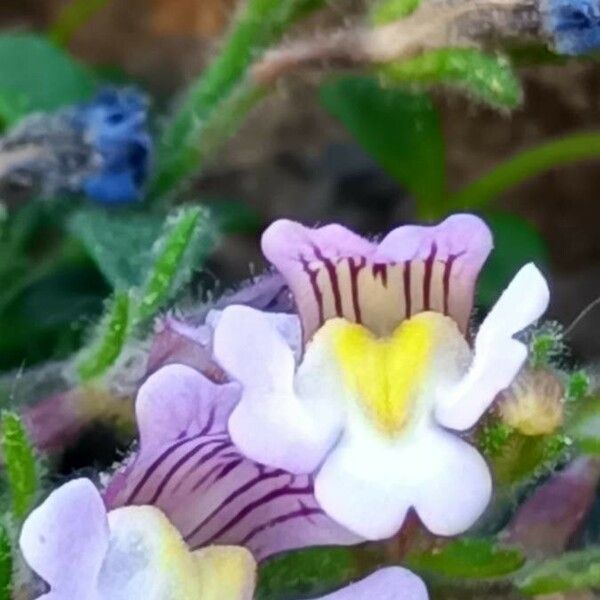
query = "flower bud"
{"x": 533, "y": 404}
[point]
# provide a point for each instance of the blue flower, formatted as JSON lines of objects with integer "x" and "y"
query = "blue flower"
{"x": 115, "y": 125}
{"x": 574, "y": 25}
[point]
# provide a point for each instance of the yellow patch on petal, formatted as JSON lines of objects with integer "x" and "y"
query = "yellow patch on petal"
{"x": 226, "y": 573}
{"x": 148, "y": 560}
{"x": 145, "y": 544}
{"x": 387, "y": 375}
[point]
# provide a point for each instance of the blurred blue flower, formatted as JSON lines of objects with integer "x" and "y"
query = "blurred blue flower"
{"x": 115, "y": 125}
{"x": 573, "y": 24}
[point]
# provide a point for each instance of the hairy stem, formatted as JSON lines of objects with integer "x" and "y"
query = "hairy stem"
{"x": 433, "y": 25}
{"x": 201, "y": 125}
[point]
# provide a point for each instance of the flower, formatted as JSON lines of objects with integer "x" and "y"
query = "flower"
{"x": 574, "y": 25}
{"x": 188, "y": 467}
{"x": 83, "y": 552}
{"x": 135, "y": 553}
{"x": 114, "y": 124}
{"x": 387, "y": 371}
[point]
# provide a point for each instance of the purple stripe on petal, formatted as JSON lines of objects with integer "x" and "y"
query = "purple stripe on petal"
{"x": 208, "y": 490}
{"x": 443, "y": 263}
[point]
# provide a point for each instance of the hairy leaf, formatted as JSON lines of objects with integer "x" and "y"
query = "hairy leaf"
{"x": 488, "y": 78}
{"x": 571, "y": 571}
{"x": 312, "y": 571}
{"x": 110, "y": 337}
{"x": 468, "y": 558}
{"x": 20, "y": 461}
{"x": 119, "y": 243}
{"x": 188, "y": 238}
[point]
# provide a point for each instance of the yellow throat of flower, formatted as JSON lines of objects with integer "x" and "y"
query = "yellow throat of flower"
{"x": 387, "y": 375}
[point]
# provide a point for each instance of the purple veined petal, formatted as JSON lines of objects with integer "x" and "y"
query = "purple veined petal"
{"x": 55, "y": 538}
{"x": 549, "y": 519}
{"x": 333, "y": 272}
{"x": 391, "y": 583}
{"x": 189, "y": 468}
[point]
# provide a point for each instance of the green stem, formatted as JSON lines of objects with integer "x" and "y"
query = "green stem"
{"x": 72, "y": 17}
{"x": 571, "y": 149}
{"x": 223, "y": 88}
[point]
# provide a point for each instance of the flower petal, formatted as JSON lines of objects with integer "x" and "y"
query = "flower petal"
{"x": 147, "y": 559}
{"x": 565, "y": 501}
{"x": 334, "y": 272}
{"x": 65, "y": 540}
{"x": 498, "y": 357}
{"x": 270, "y": 425}
{"x": 188, "y": 467}
{"x": 391, "y": 583}
{"x": 361, "y": 488}
{"x": 226, "y": 573}
{"x": 456, "y": 485}
{"x": 368, "y": 485}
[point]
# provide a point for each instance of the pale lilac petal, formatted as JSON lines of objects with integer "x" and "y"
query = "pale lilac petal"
{"x": 287, "y": 325}
{"x": 177, "y": 402}
{"x": 271, "y": 425}
{"x": 498, "y": 357}
{"x": 334, "y": 272}
{"x": 188, "y": 467}
{"x": 369, "y": 488}
{"x": 65, "y": 540}
{"x": 549, "y": 520}
{"x": 391, "y": 583}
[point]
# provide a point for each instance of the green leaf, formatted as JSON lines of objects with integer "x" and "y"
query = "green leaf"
{"x": 21, "y": 467}
{"x": 189, "y": 237}
{"x": 584, "y": 425}
{"x": 36, "y": 75}
{"x": 13, "y": 106}
{"x": 231, "y": 216}
{"x": 578, "y": 386}
{"x": 6, "y": 563}
{"x": 522, "y": 458}
{"x": 516, "y": 243}
{"x": 306, "y": 572}
{"x": 467, "y": 559}
{"x": 400, "y": 130}
{"x": 120, "y": 243}
{"x": 572, "y": 571}
{"x": 488, "y": 78}
{"x": 387, "y": 11}
{"x": 110, "y": 338}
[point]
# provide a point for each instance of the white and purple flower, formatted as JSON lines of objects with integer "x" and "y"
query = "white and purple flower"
{"x": 387, "y": 374}
{"x": 84, "y": 552}
{"x": 338, "y": 420}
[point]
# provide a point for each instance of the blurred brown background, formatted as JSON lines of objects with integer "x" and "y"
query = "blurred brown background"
{"x": 291, "y": 159}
